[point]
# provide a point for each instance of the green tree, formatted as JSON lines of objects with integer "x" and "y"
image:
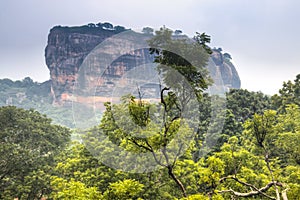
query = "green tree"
{"x": 124, "y": 190}
{"x": 173, "y": 104}
{"x": 148, "y": 30}
{"x": 203, "y": 40}
{"x": 288, "y": 94}
{"x": 263, "y": 157}
{"x": 243, "y": 104}
{"x": 154, "y": 138}
{"x": 28, "y": 144}
{"x": 171, "y": 53}
{"x": 78, "y": 164}
{"x": 71, "y": 189}
{"x": 288, "y": 141}
{"x": 152, "y": 127}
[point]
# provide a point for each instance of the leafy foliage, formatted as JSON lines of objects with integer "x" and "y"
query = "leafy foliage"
{"x": 288, "y": 94}
{"x": 258, "y": 157}
{"x": 171, "y": 53}
{"x": 29, "y": 143}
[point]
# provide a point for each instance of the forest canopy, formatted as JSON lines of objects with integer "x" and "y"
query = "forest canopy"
{"x": 257, "y": 156}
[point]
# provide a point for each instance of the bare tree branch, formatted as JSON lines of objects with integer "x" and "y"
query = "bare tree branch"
{"x": 140, "y": 145}
{"x": 260, "y": 191}
{"x": 284, "y": 195}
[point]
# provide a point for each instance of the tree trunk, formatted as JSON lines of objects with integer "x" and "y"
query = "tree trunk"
{"x": 172, "y": 175}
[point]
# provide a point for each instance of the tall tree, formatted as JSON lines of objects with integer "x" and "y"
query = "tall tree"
{"x": 142, "y": 127}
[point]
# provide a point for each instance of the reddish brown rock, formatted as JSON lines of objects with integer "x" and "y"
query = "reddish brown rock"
{"x": 67, "y": 48}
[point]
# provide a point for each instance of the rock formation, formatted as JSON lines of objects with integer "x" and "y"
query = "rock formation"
{"x": 228, "y": 72}
{"x": 65, "y": 52}
{"x": 68, "y": 47}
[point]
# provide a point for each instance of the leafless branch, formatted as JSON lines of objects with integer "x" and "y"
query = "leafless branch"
{"x": 257, "y": 191}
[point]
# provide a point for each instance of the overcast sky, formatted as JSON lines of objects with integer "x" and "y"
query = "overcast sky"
{"x": 262, "y": 36}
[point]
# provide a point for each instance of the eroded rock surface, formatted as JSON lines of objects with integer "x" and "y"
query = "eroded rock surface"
{"x": 68, "y": 47}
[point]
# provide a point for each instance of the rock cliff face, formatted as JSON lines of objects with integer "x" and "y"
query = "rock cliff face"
{"x": 227, "y": 70}
{"x": 65, "y": 52}
{"x": 68, "y": 47}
